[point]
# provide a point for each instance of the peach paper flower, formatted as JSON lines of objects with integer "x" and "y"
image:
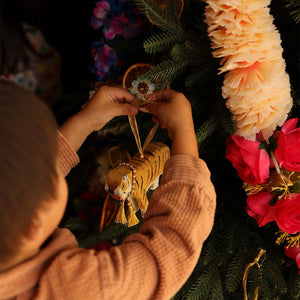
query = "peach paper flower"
{"x": 256, "y": 87}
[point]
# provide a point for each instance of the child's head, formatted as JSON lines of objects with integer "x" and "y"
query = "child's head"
{"x": 13, "y": 38}
{"x": 30, "y": 181}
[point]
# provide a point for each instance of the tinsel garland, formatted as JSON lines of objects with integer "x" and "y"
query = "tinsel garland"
{"x": 256, "y": 87}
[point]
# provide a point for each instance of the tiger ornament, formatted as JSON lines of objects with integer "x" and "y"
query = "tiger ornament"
{"x": 130, "y": 181}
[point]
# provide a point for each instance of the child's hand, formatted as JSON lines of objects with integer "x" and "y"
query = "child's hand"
{"x": 106, "y": 103}
{"x": 173, "y": 111}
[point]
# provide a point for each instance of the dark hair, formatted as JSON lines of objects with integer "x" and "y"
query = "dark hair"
{"x": 28, "y": 156}
{"x": 13, "y": 40}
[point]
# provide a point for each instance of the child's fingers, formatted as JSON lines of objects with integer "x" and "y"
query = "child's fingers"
{"x": 125, "y": 110}
{"x": 117, "y": 94}
{"x": 163, "y": 95}
{"x": 124, "y": 95}
{"x": 152, "y": 108}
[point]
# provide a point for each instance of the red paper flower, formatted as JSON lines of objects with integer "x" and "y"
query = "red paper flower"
{"x": 293, "y": 253}
{"x": 288, "y": 213}
{"x": 258, "y": 207}
{"x": 288, "y": 150}
{"x": 251, "y": 163}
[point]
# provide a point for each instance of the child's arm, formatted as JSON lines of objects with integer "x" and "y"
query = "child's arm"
{"x": 107, "y": 103}
{"x": 173, "y": 111}
{"x": 154, "y": 263}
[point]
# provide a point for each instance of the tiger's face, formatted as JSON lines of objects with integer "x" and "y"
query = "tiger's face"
{"x": 119, "y": 184}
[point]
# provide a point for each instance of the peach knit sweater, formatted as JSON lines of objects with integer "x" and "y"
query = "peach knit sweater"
{"x": 152, "y": 264}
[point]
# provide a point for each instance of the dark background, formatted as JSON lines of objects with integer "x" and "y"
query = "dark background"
{"x": 66, "y": 27}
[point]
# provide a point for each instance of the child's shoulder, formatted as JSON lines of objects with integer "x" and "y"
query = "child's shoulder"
{"x": 37, "y": 40}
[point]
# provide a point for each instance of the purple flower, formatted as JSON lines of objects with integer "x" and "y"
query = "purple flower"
{"x": 104, "y": 59}
{"x": 122, "y": 26}
{"x": 99, "y": 14}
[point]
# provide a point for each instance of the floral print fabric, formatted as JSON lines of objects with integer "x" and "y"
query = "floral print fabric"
{"x": 42, "y": 76}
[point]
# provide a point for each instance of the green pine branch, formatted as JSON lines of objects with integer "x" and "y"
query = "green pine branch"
{"x": 216, "y": 292}
{"x": 272, "y": 272}
{"x": 235, "y": 271}
{"x": 114, "y": 233}
{"x": 161, "y": 42}
{"x": 294, "y": 6}
{"x": 255, "y": 280}
{"x": 198, "y": 47}
{"x": 209, "y": 251}
{"x": 226, "y": 123}
{"x": 293, "y": 283}
{"x": 75, "y": 224}
{"x": 198, "y": 77}
{"x": 207, "y": 286}
{"x": 179, "y": 54}
{"x": 163, "y": 18}
{"x": 206, "y": 129}
{"x": 168, "y": 69}
{"x": 86, "y": 241}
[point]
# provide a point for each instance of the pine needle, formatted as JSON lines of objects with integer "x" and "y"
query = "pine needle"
{"x": 161, "y": 42}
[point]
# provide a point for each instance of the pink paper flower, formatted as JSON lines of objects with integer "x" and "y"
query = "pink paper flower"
{"x": 101, "y": 9}
{"x": 288, "y": 150}
{"x": 251, "y": 163}
{"x": 99, "y": 14}
{"x": 120, "y": 25}
{"x": 287, "y": 214}
{"x": 259, "y": 208}
{"x": 105, "y": 58}
{"x": 293, "y": 253}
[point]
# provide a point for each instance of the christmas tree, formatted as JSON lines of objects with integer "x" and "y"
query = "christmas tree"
{"x": 177, "y": 43}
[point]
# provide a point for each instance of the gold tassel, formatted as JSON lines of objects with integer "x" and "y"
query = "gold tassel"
{"x": 120, "y": 215}
{"x": 131, "y": 217}
{"x": 255, "y": 262}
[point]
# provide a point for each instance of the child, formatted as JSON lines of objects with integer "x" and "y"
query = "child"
{"x": 26, "y": 58}
{"x": 39, "y": 260}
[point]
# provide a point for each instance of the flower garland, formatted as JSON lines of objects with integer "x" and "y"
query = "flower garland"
{"x": 272, "y": 185}
{"x": 257, "y": 92}
{"x": 114, "y": 22}
{"x": 256, "y": 87}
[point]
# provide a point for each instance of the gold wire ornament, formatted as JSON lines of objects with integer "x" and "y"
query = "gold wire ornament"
{"x": 255, "y": 262}
{"x": 132, "y": 79}
{"x": 130, "y": 75}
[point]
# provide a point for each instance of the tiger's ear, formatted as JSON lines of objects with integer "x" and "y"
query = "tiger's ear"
{"x": 116, "y": 156}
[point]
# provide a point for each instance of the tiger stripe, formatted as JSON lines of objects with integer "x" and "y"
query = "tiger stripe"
{"x": 147, "y": 169}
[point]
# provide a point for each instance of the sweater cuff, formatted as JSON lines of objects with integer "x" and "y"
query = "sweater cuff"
{"x": 67, "y": 157}
{"x": 186, "y": 168}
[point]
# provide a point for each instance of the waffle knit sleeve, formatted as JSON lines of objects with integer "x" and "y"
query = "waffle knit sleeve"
{"x": 67, "y": 157}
